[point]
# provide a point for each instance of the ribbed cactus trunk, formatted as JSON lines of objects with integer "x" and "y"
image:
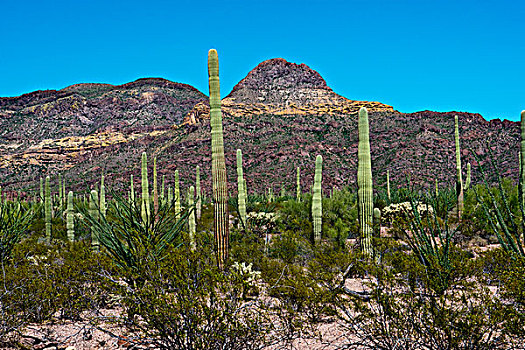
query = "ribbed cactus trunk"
{"x": 467, "y": 181}
{"x": 155, "y": 189}
{"x": 317, "y": 200}
{"x": 177, "y": 195}
{"x": 459, "y": 178}
{"x": 521, "y": 187}
{"x": 145, "y": 209}
{"x": 388, "y": 185}
{"x": 102, "y": 197}
{"x": 198, "y": 192}
{"x": 364, "y": 182}
{"x": 94, "y": 213}
{"x": 298, "y": 194}
{"x": 218, "y": 165}
{"x": 70, "y": 223}
{"x": 47, "y": 210}
{"x": 191, "y": 218}
{"x": 241, "y": 197}
{"x": 41, "y": 190}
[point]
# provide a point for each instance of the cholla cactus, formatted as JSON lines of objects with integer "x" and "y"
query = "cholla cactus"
{"x": 364, "y": 182}
{"x": 70, "y": 224}
{"x": 317, "y": 201}
{"x": 241, "y": 198}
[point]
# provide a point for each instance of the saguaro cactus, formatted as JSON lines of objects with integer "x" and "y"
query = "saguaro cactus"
{"x": 218, "y": 165}
{"x": 70, "y": 224}
{"x": 93, "y": 211}
{"x": 162, "y": 192}
{"x": 41, "y": 189}
{"x": 467, "y": 181}
{"x": 459, "y": 178}
{"x": 198, "y": 192}
{"x": 102, "y": 197}
{"x": 388, "y": 185}
{"x": 191, "y": 218}
{"x": 177, "y": 195}
{"x": 317, "y": 201}
{"x": 364, "y": 182}
{"x": 241, "y": 198}
{"x": 298, "y": 184}
{"x": 145, "y": 210}
{"x": 47, "y": 210}
{"x": 155, "y": 188}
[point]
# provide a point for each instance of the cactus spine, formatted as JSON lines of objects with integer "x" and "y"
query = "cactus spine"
{"x": 459, "y": 179}
{"x": 177, "y": 195}
{"x": 298, "y": 195}
{"x": 94, "y": 213}
{"x": 198, "y": 191}
{"x": 364, "y": 182}
{"x": 241, "y": 201}
{"x": 317, "y": 201}
{"x": 145, "y": 210}
{"x": 47, "y": 210}
{"x": 191, "y": 219}
{"x": 70, "y": 225}
{"x": 102, "y": 197}
{"x": 467, "y": 181}
{"x": 220, "y": 183}
{"x": 155, "y": 189}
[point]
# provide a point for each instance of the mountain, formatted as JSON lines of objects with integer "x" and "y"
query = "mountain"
{"x": 281, "y": 115}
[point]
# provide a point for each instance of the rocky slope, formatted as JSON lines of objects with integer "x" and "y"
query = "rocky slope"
{"x": 281, "y": 115}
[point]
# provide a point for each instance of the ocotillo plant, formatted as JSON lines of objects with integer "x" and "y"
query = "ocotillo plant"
{"x": 191, "y": 218}
{"x": 198, "y": 192}
{"x": 459, "y": 179}
{"x": 47, "y": 210}
{"x": 218, "y": 165}
{"x": 70, "y": 225}
{"x": 102, "y": 197}
{"x": 145, "y": 210}
{"x": 364, "y": 182}
{"x": 241, "y": 198}
{"x": 177, "y": 195}
{"x": 298, "y": 195}
{"x": 94, "y": 213}
{"x": 155, "y": 188}
{"x": 467, "y": 181}
{"x": 317, "y": 201}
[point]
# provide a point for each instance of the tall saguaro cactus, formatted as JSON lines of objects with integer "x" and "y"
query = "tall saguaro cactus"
{"x": 218, "y": 165}
{"x": 177, "y": 195}
{"x": 459, "y": 178}
{"x": 191, "y": 218}
{"x": 388, "y": 185}
{"x": 155, "y": 188}
{"x": 467, "y": 181}
{"x": 47, "y": 210}
{"x": 198, "y": 192}
{"x": 41, "y": 190}
{"x": 145, "y": 210}
{"x": 317, "y": 200}
{"x": 241, "y": 198}
{"x": 102, "y": 197}
{"x": 364, "y": 182}
{"x": 70, "y": 224}
{"x": 298, "y": 198}
{"x": 94, "y": 213}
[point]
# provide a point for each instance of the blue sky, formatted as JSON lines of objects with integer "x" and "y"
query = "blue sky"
{"x": 414, "y": 55}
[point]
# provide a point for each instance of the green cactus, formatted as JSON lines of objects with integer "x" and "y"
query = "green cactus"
{"x": 317, "y": 200}
{"x": 94, "y": 213}
{"x": 298, "y": 195}
{"x": 177, "y": 195}
{"x": 41, "y": 189}
{"x": 365, "y": 185}
{"x": 60, "y": 195}
{"x": 218, "y": 166}
{"x": 102, "y": 197}
{"x": 162, "y": 193}
{"x": 437, "y": 189}
{"x": 377, "y": 222}
{"x": 241, "y": 201}
{"x": 388, "y": 185}
{"x": 467, "y": 181}
{"x": 145, "y": 208}
{"x": 459, "y": 178}
{"x": 47, "y": 210}
{"x": 155, "y": 189}
{"x": 70, "y": 225}
{"x": 191, "y": 218}
{"x": 198, "y": 192}
{"x": 170, "y": 196}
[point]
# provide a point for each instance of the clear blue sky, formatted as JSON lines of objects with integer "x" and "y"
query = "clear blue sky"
{"x": 413, "y": 54}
